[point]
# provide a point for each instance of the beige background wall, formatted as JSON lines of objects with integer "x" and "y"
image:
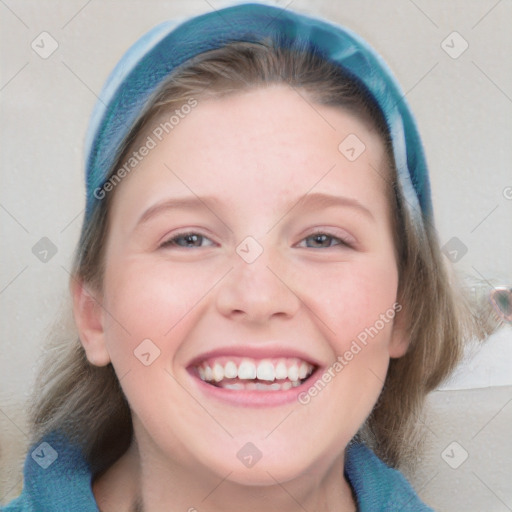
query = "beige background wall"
{"x": 463, "y": 106}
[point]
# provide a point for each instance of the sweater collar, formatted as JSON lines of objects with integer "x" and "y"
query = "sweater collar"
{"x": 57, "y": 475}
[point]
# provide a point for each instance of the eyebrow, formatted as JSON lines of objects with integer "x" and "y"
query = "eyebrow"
{"x": 178, "y": 203}
{"x": 310, "y": 201}
{"x": 318, "y": 200}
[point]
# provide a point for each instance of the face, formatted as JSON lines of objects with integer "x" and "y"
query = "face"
{"x": 250, "y": 280}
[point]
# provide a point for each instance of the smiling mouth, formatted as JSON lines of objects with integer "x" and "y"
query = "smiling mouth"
{"x": 240, "y": 374}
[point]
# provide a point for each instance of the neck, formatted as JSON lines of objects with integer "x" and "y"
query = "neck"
{"x": 147, "y": 483}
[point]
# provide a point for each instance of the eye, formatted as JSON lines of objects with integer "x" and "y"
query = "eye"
{"x": 187, "y": 240}
{"x": 322, "y": 240}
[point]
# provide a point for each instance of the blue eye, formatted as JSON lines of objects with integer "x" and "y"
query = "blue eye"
{"x": 324, "y": 241}
{"x": 186, "y": 240}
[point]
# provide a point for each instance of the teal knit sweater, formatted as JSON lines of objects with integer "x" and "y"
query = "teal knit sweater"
{"x": 57, "y": 479}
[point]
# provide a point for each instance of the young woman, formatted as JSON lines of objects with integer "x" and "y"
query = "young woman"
{"x": 259, "y": 294}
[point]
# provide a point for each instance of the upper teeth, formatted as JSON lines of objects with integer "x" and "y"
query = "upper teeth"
{"x": 247, "y": 369}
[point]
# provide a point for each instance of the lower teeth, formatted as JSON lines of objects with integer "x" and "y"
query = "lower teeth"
{"x": 259, "y": 386}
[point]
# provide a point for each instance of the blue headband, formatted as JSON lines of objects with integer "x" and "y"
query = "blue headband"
{"x": 150, "y": 60}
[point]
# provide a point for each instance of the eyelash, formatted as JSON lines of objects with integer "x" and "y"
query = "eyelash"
{"x": 171, "y": 242}
{"x": 342, "y": 241}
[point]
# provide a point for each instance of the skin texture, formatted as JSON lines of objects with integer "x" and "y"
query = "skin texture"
{"x": 257, "y": 153}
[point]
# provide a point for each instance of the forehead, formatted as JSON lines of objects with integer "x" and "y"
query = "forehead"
{"x": 259, "y": 147}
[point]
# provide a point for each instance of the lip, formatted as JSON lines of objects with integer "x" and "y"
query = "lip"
{"x": 250, "y": 398}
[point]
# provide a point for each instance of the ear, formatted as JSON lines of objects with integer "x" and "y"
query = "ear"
{"x": 89, "y": 319}
{"x": 400, "y": 338}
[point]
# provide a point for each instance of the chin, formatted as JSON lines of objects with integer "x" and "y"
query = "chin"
{"x": 273, "y": 463}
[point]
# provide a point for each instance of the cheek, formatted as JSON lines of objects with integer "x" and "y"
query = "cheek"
{"x": 351, "y": 298}
{"x": 355, "y": 308}
{"x": 153, "y": 308}
{"x": 152, "y": 302}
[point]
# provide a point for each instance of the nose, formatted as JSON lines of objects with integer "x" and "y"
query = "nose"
{"x": 257, "y": 292}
